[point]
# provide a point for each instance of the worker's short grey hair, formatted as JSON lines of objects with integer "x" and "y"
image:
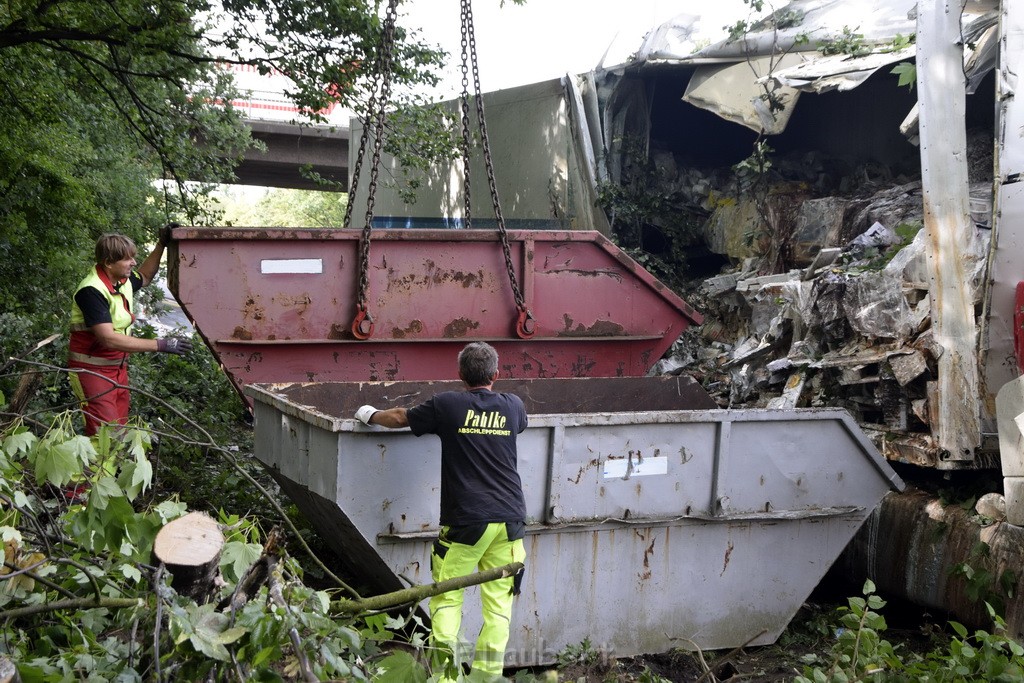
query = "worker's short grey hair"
{"x": 113, "y": 247}
{"x": 478, "y": 364}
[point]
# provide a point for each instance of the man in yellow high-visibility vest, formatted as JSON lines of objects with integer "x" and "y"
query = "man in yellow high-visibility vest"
{"x": 101, "y": 320}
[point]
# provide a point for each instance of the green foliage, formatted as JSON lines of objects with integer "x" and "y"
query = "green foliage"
{"x": 993, "y": 657}
{"x": 752, "y": 172}
{"x": 861, "y": 653}
{"x": 270, "y": 207}
{"x": 78, "y": 599}
{"x": 423, "y": 136}
{"x": 100, "y": 99}
{"x": 849, "y": 42}
{"x": 907, "y": 74}
{"x": 900, "y": 41}
{"x": 582, "y": 654}
{"x": 984, "y": 582}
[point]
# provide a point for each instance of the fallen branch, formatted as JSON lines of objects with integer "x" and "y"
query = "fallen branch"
{"x": 224, "y": 453}
{"x": 276, "y": 594}
{"x": 415, "y": 594}
{"x": 77, "y": 603}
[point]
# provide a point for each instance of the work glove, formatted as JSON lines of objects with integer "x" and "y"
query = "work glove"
{"x": 173, "y": 345}
{"x": 164, "y": 236}
{"x": 365, "y": 413}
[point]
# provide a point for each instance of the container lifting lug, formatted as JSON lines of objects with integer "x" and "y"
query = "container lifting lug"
{"x": 525, "y": 324}
{"x": 362, "y": 325}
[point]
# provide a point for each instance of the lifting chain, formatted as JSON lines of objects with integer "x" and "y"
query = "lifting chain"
{"x": 525, "y": 324}
{"x": 380, "y": 92}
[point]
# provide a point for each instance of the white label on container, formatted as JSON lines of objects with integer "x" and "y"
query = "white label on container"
{"x": 292, "y": 265}
{"x": 635, "y": 466}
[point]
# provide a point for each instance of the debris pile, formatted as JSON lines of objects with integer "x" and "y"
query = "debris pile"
{"x": 846, "y": 325}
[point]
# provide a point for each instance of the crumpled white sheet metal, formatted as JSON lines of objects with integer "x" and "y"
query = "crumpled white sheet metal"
{"x": 838, "y": 72}
{"x": 730, "y": 76}
{"x": 735, "y": 92}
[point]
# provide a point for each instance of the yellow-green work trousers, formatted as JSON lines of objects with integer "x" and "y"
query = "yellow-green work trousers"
{"x": 450, "y": 559}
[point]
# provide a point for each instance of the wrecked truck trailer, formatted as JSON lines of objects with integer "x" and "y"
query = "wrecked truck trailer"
{"x": 885, "y": 357}
{"x": 655, "y": 518}
{"x": 838, "y": 112}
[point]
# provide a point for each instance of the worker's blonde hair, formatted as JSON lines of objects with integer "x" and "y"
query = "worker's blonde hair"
{"x": 113, "y": 247}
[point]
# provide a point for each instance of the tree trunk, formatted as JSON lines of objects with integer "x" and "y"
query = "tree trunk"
{"x": 190, "y": 547}
{"x": 941, "y": 93}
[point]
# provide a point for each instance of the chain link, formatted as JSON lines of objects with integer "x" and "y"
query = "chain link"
{"x": 377, "y": 104}
{"x": 467, "y": 145}
{"x": 469, "y": 34}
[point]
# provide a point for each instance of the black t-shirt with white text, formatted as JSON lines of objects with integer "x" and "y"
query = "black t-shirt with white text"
{"x": 478, "y": 428}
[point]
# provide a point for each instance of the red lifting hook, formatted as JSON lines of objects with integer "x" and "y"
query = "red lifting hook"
{"x": 525, "y": 324}
{"x": 362, "y": 325}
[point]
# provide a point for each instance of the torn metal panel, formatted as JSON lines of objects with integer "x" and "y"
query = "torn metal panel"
{"x": 1007, "y": 215}
{"x": 947, "y": 224}
{"x": 670, "y": 40}
{"x": 838, "y": 72}
{"x": 784, "y": 49}
{"x": 878, "y": 21}
{"x": 735, "y": 92}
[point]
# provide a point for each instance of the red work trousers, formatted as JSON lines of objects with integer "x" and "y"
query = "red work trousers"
{"x": 102, "y": 400}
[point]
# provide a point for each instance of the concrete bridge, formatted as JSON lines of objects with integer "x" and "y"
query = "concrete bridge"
{"x": 272, "y": 118}
{"x": 290, "y": 147}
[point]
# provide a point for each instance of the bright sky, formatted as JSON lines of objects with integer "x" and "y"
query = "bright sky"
{"x": 548, "y": 38}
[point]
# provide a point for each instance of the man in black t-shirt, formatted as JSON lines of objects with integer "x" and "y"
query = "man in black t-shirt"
{"x": 483, "y": 511}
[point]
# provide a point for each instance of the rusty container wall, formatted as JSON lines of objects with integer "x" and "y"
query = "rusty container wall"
{"x": 277, "y": 305}
{"x": 679, "y": 526}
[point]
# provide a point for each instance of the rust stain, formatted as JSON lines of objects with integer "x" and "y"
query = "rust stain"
{"x": 469, "y": 279}
{"x": 728, "y": 554}
{"x": 593, "y": 272}
{"x": 300, "y": 301}
{"x": 253, "y": 310}
{"x": 582, "y": 366}
{"x": 414, "y": 327}
{"x": 600, "y": 328}
{"x": 646, "y": 573}
{"x": 579, "y": 475}
{"x": 254, "y": 358}
{"x": 339, "y": 331}
{"x": 459, "y": 328}
{"x": 385, "y": 505}
{"x": 414, "y": 282}
{"x": 241, "y": 333}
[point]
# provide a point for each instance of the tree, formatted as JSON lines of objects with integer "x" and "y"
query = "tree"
{"x": 98, "y": 98}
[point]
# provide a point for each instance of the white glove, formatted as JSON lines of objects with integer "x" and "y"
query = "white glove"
{"x": 365, "y": 413}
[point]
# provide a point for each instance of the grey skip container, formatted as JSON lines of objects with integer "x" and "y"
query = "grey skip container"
{"x": 655, "y": 520}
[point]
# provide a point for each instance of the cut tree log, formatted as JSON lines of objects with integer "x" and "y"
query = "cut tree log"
{"x": 8, "y": 672}
{"x": 190, "y": 547}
